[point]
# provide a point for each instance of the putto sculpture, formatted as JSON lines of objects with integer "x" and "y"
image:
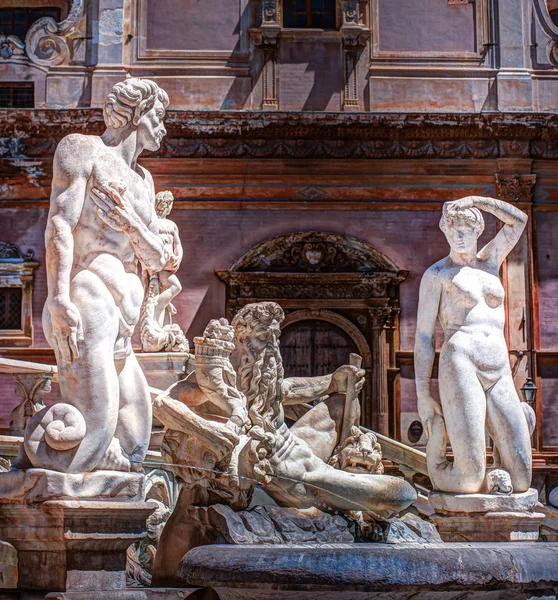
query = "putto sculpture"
{"x": 227, "y": 432}
{"x": 157, "y": 330}
{"x": 475, "y": 381}
{"x": 102, "y": 227}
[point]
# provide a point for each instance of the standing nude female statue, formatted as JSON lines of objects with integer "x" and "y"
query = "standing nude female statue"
{"x": 475, "y": 380}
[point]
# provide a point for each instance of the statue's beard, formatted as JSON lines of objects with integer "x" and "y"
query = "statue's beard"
{"x": 260, "y": 380}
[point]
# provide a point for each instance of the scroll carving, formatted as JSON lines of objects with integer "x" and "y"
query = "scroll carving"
{"x": 48, "y": 43}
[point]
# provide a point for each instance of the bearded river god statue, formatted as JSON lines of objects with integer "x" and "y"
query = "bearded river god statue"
{"x": 227, "y": 433}
{"x": 475, "y": 380}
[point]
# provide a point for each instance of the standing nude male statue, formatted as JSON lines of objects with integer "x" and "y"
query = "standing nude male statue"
{"x": 475, "y": 381}
{"x": 101, "y": 229}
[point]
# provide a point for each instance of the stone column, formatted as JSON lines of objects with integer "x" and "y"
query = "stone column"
{"x": 515, "y": 89}
{"x": 380, "y": 408}
{"x": 355, "y": 38}
{"x": 266, "y": 39}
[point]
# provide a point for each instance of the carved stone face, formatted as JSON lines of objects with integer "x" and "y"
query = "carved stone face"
{"x": 261, "y": 335}
{"x": 151, "y": 129}
{"x": 461, "y": 236}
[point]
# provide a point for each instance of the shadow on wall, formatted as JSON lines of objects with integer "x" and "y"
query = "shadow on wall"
{"x": 242, "y": 88}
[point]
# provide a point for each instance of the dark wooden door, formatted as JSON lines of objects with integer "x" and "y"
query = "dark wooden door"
{"x": 314, "y": 347}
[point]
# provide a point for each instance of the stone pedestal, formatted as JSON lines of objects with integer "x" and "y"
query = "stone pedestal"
{"x": 71, "y": 531}
{"x": 486, "y": 517}
{"x": 36, "y": 485}
{"x": 66, "y": 545}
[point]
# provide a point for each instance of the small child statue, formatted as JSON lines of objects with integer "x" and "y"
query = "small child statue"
{"x": 158, "y": 332}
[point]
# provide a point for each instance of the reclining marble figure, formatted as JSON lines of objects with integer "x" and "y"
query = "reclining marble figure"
{"x": 474, "y": 376}
{"x": 102, "y": 228}
{"x": 227, "y": 429}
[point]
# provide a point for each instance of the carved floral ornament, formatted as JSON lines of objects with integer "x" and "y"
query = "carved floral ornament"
{"x": 47, "y": 42}
{"x": 515, "y": 188}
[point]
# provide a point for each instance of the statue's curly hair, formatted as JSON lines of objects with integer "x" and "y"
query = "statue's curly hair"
{"x": 130, "y": 99}
{"x": 253, "y": 314}
{"x": 472, "y": 216}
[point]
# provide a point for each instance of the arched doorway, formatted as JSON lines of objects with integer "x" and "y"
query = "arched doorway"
{"x": 340, "y": 295}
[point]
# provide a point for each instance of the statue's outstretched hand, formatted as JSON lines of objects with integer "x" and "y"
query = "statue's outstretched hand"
{"x": 66, "y": 327}
{"x": 340, "y": 379}
{"x": 428, "y": 408}
{"x": 113, "y": 208}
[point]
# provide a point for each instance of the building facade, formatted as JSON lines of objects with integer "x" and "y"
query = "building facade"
{"x": 310, "y": 147}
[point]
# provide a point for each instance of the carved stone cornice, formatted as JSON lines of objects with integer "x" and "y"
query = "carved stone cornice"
{"x": 257, "y": 134}
{"x": 325, "y": 286}
{"x": 515, "y": 188}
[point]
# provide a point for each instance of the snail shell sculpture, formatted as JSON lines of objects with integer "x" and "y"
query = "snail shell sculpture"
{"x": 57, "y": 428}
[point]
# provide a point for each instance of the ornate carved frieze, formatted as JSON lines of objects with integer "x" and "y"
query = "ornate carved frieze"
{"x": 47, "y": 42}
{"x": 256, "y": 134}
{"x": 515, "y": 188}
{"x": 313, "y": 287}
{"x": 313, "y": 252}
{"x": 312, "y": 265}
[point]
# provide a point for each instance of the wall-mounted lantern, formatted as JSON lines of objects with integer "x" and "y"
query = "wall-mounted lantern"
{"x": 529, "y": 391}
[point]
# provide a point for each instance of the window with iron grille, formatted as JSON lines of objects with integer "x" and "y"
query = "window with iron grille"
{"x": 10, "y": 307}
{"x": 17, "y": 95}
{"x": 309, "y": 14}
{"x": 16, "y": 21}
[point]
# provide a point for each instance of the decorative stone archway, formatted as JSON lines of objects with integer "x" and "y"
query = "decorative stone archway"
{"x": 333, "y": 278}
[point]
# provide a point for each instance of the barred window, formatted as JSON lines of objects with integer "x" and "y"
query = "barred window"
{"x": 17, "y": 95}
{"x": 309, "y": 14}
{"x": 16, "y": 21}
{"x": 10, "y": 307}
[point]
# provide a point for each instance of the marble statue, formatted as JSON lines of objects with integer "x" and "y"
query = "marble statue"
{"x": 227, "y": 433}
{"x": 157, "y": 330}
{"x": 475, "y": 381}
{"x": 102, "y": 228}
{"x": 232, "y": 416}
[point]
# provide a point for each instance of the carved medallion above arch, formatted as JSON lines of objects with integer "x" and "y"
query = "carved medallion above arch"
{"x": 320, "y": 276}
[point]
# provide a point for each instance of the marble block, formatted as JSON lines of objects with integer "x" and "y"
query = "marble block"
{"x": 486, "y": 517}
{"x": 444, "y": 503}
{"x": 37, "y": 485}
{"x": 489, "y": 527}
{"x": 73, "y": 545}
